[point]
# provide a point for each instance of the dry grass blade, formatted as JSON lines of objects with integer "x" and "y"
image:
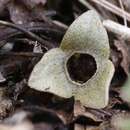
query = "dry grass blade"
{"x": 87, "y": 4}
{"x": 46, "y": 44}
{"x": 118, "y": 29}
{"x": 122, "y": 7}
{"x": 25, "y": 54}
{"x": 114, "y": 9}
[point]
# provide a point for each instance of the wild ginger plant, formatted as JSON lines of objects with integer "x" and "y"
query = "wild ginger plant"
{"x": 80, "y": 67}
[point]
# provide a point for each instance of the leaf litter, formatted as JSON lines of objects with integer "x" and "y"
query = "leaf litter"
{"x": 24, "y": 108}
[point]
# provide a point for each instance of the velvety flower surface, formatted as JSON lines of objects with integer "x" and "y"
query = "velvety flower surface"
{"x": 80, "y": 67}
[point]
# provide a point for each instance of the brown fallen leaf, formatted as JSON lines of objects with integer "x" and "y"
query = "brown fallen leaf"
{"x": 123, "y": 49}
{"x": 93, "y": 128}
{"x": 104, "y": 12}
{"x": 3, "y": 4}
{"x": 19, "y": 14}
{"x": 126, "y": 4}
{"x": 32, "y": 3}
{"x": 95, "y": 115}
{"x": 115, "y": 57}
{"x": 64, "y": 116}
{"x": 79, "y": 127}
{"x": 2, "y": 79}
{"x": 5, "y": 103}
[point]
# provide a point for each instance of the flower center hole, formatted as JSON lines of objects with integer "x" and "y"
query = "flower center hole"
{"x": 81, "y": 67}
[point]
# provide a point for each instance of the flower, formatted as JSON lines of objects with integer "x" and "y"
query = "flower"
{"x": 80, "y": 67}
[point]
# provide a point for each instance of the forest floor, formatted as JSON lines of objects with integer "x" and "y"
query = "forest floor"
{"x": 28, "y": 29}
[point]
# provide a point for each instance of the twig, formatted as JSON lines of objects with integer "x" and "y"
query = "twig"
{"x": 118, "y": 29}
{"x": 25, "y": 54}
{"x": 87, "y": 4}
{"x": 64, "y": 26}
{"x": 122, "y": 7}
{"x": 114, "y": 9}
{"x": 28, "y": 33}
{"x": 38, "y": 28}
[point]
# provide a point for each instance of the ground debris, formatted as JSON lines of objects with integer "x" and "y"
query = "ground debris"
{"x": 23, "y": 108}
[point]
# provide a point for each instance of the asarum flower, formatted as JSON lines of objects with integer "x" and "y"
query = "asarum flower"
{"x": 80, "y": 67}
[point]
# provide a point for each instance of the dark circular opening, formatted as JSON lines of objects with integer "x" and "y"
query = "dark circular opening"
{"x": 81, "y": 67}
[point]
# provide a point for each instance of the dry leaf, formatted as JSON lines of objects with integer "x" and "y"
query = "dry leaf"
{"x": 79, "y": 127}
{"x": 3, "y": 4}
{"x": 2, "y": 79}
{"x": 5, "y": 103}
{"x": 122, "y": 47}
{"x": 80, "y": 110}
{"x": 32, "y": 3}
{"x": 19, "y": 13}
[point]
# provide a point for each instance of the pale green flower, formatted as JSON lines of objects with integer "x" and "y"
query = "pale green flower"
{"x": 85, "y": 43}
